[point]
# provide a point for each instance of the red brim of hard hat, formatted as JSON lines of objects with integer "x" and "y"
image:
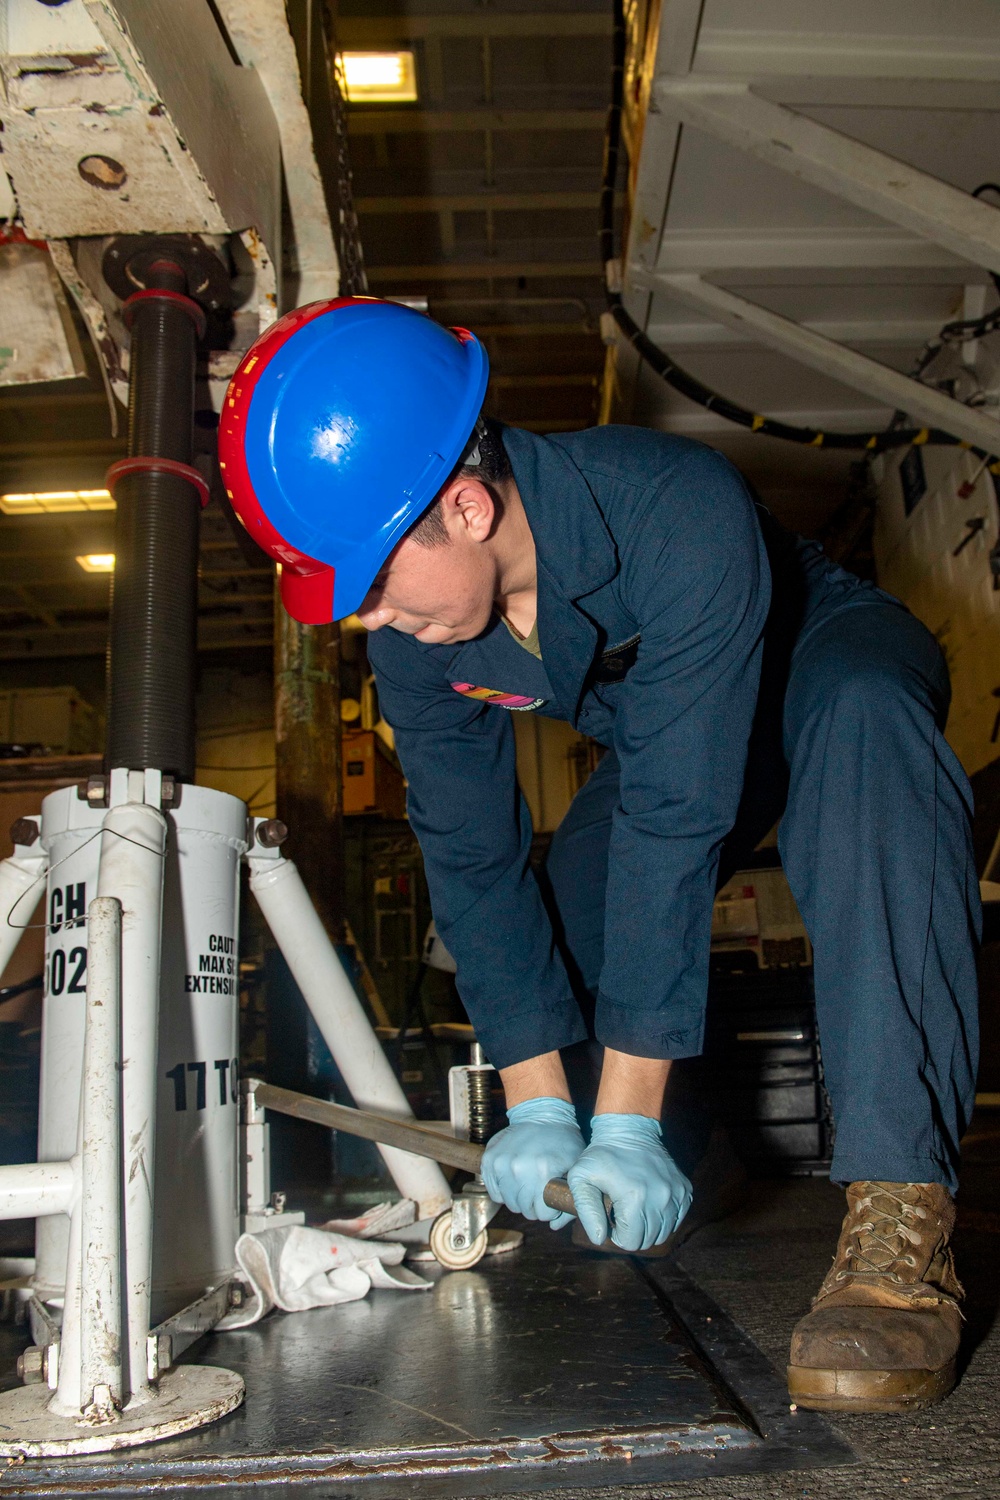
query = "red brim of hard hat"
{"x": 307, "y": 585}
{"x": 308, "y": 597}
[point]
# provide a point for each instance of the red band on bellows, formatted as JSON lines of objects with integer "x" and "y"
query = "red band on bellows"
{"x": 126, "y": 466}
{"x": 189, "y": 305}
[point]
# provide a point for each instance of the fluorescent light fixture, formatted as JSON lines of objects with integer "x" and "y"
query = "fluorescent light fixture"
{"x": 97, "y": 562}
{"x": 55, "y": 502}
{"x": 379, "y": 77}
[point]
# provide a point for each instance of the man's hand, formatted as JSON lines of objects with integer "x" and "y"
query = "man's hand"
{"x": 542, "y": 1141}
{"x": 627, "y": 1161}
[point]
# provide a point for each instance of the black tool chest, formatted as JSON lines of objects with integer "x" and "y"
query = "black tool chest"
{"x": 762, "y": 1070}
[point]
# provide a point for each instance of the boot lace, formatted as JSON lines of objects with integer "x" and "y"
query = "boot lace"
{"x": 882, "y": 1241}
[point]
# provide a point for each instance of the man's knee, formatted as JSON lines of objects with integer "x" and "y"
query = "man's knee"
{"x": 873, "y": 690}
{"x": 871, "y": 668}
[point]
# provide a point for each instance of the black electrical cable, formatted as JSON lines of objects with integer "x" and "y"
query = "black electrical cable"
{"x": 681, "y": 380}
{"x": 12, "y": 990}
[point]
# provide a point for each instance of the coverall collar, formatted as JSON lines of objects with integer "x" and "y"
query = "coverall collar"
{"x": 576, "y": 555}
{"x": 574, "y": 547}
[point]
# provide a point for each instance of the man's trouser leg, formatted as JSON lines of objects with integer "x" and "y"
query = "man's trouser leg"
{"x": 876, "y": 843}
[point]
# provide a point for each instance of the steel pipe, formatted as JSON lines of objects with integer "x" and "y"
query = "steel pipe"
{"x": 345, "y": 1028}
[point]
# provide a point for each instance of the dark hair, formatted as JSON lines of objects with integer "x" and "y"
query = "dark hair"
{"x": 493, "y": 469}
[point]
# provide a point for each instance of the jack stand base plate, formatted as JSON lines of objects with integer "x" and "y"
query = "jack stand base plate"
{"x": 188, "y": 1396}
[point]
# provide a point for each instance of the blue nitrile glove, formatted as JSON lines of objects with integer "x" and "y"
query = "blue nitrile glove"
{"x": 542, "y": 1141}
{"x": 627, "y": 1160}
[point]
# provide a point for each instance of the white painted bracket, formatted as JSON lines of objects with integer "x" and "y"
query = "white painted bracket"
{"x": 817, "y": 154}
{"x": 923, "y": 403}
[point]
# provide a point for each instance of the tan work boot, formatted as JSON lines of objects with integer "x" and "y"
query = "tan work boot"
{"x": 884, "y": 1328}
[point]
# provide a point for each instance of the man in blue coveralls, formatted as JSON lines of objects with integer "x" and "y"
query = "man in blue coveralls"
{"x": 625, "y": 581}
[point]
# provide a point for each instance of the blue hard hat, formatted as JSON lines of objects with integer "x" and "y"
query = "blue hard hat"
{"x": 339, "y": 428}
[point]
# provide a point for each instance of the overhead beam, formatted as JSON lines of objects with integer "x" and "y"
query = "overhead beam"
{"x": 19, "y": 645}
{"x": 846, "y": 365}
{"x": 457, "y": 203}
{"x": 547, "y": 331}
{"x": 12, "y": 397}
{"x": 908, "y": 333}
{"x": 676, "y": 43}
{"x": 854, "y": 92}
{"x": 366, "y": 31}
{"x": 697, "y": 421}
{"x": 459, "y": 121}
{"x": 872, "y": 249}
{"x": 856, "y": 52}
{"x": 70, "y": 448}
{"x": 542, "y": 382}
{"x": 488, "y": 270}
{"x": 828, "y": 159}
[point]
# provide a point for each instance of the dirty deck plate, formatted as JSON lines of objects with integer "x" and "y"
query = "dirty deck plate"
{"x": 543, "y": 1369}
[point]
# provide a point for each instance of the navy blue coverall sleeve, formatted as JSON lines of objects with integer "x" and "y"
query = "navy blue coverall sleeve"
{"x": 474, "y": 829}
{"x": 695, "y": 577}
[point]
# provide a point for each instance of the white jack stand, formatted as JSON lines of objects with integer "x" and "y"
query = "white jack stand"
{"x": 139, "y": 1051}
{"x": 97, "y": 1396}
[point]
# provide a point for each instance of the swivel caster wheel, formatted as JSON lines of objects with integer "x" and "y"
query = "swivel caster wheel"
{"x": 456, "y": 1257}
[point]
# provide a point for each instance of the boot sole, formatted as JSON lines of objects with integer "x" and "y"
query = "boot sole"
{"x": 869, "y": 1390}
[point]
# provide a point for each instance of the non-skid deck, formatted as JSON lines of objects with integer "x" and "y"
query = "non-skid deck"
{"x": 542, "y": 1369}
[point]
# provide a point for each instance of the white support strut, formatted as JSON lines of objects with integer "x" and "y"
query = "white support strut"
{"x": 817, "y": 154}
{"x": 338, "y": 1013}
{"x": 22, "y": 881}
{"x": 100, "y": 1177}
{"x": 923, "y": 403}
{"x": 133, "y": 845}
{"x": 91, "y": 1351}
{"x": 37, "y": 1188}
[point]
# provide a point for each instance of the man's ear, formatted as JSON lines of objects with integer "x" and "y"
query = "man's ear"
{"x": 468, "y": 510}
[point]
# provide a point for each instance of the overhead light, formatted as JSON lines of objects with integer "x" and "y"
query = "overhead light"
{"x": 97, "y": 562}
{"x": 56, "y": 502}
{"x": 379, "y": 77}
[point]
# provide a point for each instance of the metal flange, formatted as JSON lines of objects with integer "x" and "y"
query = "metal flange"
{"x": 187, "y": 1397}
{"x": 130, "y": 258}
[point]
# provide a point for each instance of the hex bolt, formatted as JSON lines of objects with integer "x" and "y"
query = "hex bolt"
{"x": 31, "y": 1365}
{"x": 94, "y": 791}
{"x": 272, "y": 833}
{"x": 458, "y": 1240}
{"x": 24, "y": 831}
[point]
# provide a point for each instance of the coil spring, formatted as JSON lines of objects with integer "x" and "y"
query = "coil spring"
{"x": 480, "y": 1105}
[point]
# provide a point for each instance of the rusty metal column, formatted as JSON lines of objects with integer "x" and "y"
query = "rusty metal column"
{"x": 307, "y": 755}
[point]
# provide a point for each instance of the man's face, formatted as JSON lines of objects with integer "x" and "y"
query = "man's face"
{"x": 441, "y": 595}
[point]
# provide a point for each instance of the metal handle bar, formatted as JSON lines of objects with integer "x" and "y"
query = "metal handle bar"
{"x": 405, "y": 1135}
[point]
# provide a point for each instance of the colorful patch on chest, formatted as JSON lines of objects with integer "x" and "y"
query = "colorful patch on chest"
{"x": 496, "y": 697}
